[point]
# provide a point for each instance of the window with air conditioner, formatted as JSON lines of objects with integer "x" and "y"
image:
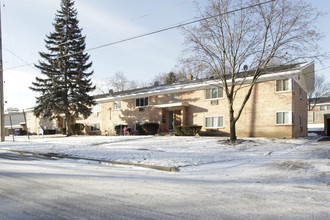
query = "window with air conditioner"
{"x": 214, "y": 93}
{"x": 117, "y": 105}
{"x": 142, "y": 102}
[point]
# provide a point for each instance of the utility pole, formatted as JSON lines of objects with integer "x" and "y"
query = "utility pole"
{"x": 2, "y": 117}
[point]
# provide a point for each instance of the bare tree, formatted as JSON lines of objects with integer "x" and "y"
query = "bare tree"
{"x": 118, "y": 82}
{"x": 160, "y": 77}
{"x": 228, "y": 39}
{"x": 188, "y": 65}
{"x": 102, "y": 86}
{"x": 322, "y": 89}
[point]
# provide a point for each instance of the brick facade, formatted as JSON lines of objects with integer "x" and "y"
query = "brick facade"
{"x": 189, "y": 103}
{"x": 184, "y": 105}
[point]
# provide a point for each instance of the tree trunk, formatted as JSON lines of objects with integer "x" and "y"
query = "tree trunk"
{"x": 233, "y": 137}
{"x": 232, "y": 121}
{"x": 67, "y": 122}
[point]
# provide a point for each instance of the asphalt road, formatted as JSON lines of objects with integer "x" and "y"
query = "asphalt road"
{"x": 39, "y": 188}
{"x": 33, "y": 187}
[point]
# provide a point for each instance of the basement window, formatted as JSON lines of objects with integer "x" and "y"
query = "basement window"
{"x": 95, "y": 127}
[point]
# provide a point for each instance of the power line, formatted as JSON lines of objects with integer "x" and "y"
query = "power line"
{"x": 169, "y": 28}
{"x": 155, "y": 12}
{"x": 158, "y": 31}
{"x": 134, "y": 19}
{"x": 21, "y": 59}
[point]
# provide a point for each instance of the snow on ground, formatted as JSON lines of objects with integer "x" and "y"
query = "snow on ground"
{"x": 160, "y": 151}
{"x": 315, "y": 127}
{"x": 261, "y": 158}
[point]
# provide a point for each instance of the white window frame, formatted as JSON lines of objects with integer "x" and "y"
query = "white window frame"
{"x": 96, "y": 109}
{"x": 208, "y": 92}
{"x": 326, "y": 107}
{"x": 218, "y": 116}
{"x": 290, "y": 85}
{"x": 116, "y": 105}
{"x": 290, "y": 119}
{"x": 174, "y": 97}
{"x": 140, "y": 106}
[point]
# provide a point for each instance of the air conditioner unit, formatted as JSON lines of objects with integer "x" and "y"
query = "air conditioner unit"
{"x": 214, "y": 102}
{"x": 141, "y": 109}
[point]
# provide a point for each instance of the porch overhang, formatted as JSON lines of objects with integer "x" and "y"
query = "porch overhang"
{"x": 172, "y": 105}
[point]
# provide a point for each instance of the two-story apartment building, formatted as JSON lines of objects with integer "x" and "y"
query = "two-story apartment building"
{"x": 276, "y": 108}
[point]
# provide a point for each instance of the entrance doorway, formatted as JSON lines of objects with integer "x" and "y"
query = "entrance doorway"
{"x": 170, "y": 120}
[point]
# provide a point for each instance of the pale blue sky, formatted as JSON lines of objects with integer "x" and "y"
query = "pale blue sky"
{"x": 25, "y": 24}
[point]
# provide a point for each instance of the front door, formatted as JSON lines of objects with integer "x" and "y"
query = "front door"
{"x": 170, "y": 120}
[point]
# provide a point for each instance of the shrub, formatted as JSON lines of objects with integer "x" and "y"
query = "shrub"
{"x": 77, "y": 128}
{"x": 63, "y": 130}
{"x": 139, "y": 129}
{"x": 118, "y": 128}
{"x": 178, "y": 131}
{"x": 49, "y": 131}
{"x": 190, "y": 130}
{"x": 150, "y": 128}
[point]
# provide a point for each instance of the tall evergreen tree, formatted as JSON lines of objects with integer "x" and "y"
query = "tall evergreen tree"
{"x": 66, "y": 84}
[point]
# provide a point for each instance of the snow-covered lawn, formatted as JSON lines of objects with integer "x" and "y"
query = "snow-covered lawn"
{"x": 260, "y": 158}
{"x": 160, "y": 151}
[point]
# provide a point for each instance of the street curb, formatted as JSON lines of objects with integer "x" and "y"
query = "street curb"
{"x": 162, "y": 168}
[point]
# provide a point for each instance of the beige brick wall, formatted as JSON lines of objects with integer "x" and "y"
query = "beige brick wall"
{"x": 257, "y": 119}
{"x": 300, "y": 111}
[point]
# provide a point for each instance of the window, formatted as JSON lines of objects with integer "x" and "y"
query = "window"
{"x": 214, "y": 122}
{"x": 116, "y": 105}
{"x": 214, "y": 93}
{"x": 300, "y": 93}
{"x": 300, "y": 120}
{"x": 174, "y": 97}
{"x": 284, "y": 85}
{"x": 325, "y": 107}
{"x": 284, "y": 118}
{"x": 96, "y": 109}
{"x": 141, "y": 102}
{"x": 95, "y": 127}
